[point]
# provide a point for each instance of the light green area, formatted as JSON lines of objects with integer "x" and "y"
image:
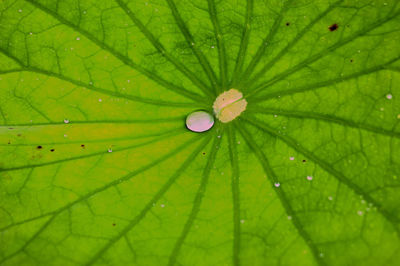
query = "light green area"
{"x": 98, "y": 168}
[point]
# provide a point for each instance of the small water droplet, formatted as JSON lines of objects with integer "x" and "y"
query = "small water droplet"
{"x": 309, "y": 177}
{"x": 291, "y": 158}
{"x": 389, "y": 96}
{"x": 277, "y": 184}
{"x": 66, "y": 121}
{"x": 19, "y": 10}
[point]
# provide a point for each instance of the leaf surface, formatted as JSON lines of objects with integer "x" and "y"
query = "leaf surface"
{"x": 98, "y": 168}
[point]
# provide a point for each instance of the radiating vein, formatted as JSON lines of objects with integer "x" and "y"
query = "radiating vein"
{"x": 280, "y": 193}
{"x": 192, "y": 44}
{"x": 244, "y": 42}
{"x": 328, "y": 168}
{"x": 165, "y": 133}
{"x": 233, "y": 155}
{"x": 160, "y": 48}
{"x": 197, "y": 202}
{"x": 321, "y": 54}
{"x": 326, "y": 118}
{"x": 83, "y": 122}
{"x": 85, "y": 197}
{"x": 291, "y": 44}
{"x": 264, "y": 44}
{"x": 322, "y": 84}
{"x": 223, "y": 61}
{"x": 149, "y": 74}
{"x": 159, "y": 138}
{"x": 197, "y": 99}
{"x": 123, "y": 233}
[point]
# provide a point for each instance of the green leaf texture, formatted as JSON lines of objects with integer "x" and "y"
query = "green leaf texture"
{"x": 98, "y": 168}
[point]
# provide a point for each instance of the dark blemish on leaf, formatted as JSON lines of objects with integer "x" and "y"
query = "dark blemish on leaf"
{"x": 287, "y": 23}
{"x": 204, "y": 153}
{"x": 351, "y": 60}
{"x": 113, "y": 224}
{"x": 39, "y": 147}
{"x": 10, "y": 128}
{"x": 333, "y": 27}
{"x": 9, "y": 142}
{"x": 52, "y": 150}
{"x": 304, "y": 161}
{"x": 83, "y": 146}
{"x": 19, "y": 135}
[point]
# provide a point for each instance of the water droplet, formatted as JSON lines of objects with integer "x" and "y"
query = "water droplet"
{"x": 309, "y": 177}
{"x": 66, "y": 121}
{"x": 19, "y": 10}
{"x": 291, "y": 158}
{"x": 277, "y": 184}
{"x": 389, "y": 96}
{"x": 199, "y": 121}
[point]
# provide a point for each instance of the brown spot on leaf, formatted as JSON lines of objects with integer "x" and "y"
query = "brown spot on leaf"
{"x": 304, "y": 161}
{"x": 83, "y": 146}
{"x": 333, "y": 27}
{"x": 39, "y": 147}
{"x": 52, "y": 150}
{"x": 287, "y": 23}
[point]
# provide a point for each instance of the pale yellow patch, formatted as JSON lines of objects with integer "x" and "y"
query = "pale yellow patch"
{"x": 229, "y": 105}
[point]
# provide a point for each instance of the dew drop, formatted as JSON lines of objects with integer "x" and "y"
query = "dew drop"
{"x": 199, "y": 121}
{"x": 389, "y": 96}
{"x": 277, "y": 184}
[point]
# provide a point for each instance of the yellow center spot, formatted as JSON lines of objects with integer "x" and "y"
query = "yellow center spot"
{"x": 229, "y": 105}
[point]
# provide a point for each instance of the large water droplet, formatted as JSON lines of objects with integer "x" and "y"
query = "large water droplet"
{"x": 199, "y": 121}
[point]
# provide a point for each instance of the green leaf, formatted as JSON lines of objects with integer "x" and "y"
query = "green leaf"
{"x": 98, "y": 168}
